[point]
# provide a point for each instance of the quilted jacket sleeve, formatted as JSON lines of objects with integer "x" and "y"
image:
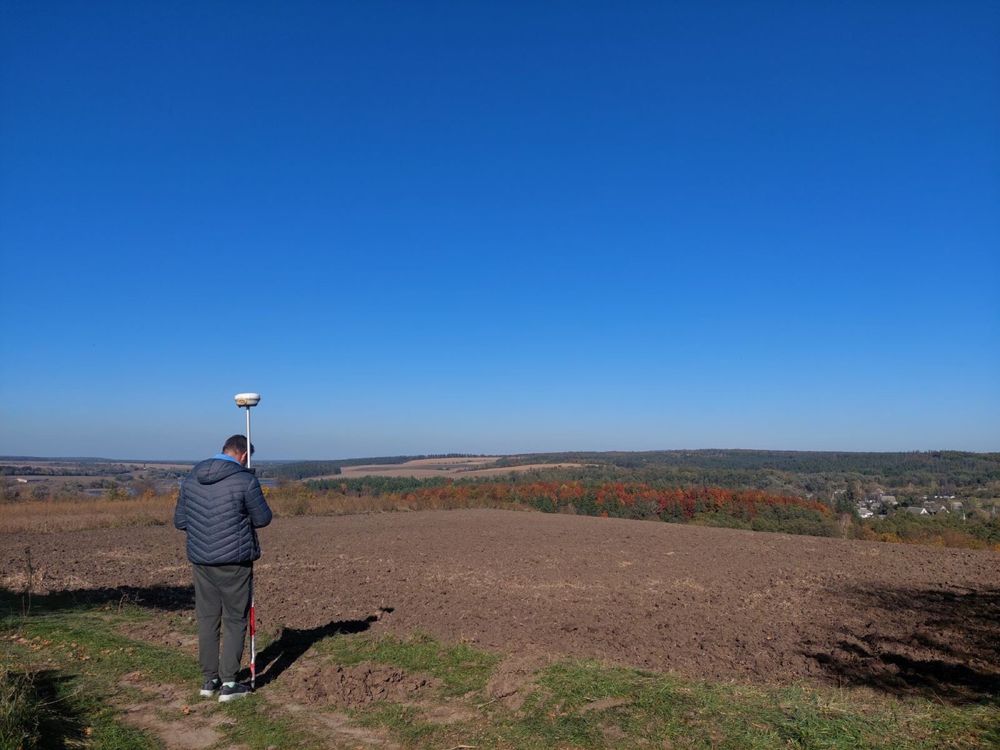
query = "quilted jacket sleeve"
{"x": 256, "y": 504}
{"x": 180, "y": 512}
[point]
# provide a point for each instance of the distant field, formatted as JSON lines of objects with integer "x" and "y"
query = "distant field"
{"x": 62, "y": 463}
{"x": 75, "y": 470}
{"x": 58, "y": 479}
{"x": 459, "y": 468}
{"x": 31, "y": 476}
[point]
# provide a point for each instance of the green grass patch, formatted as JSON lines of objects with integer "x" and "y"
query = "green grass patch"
{"x": 590, "y": 706}
{"x": 461, "y": 668}
{"x": 257, "y": 731}
{"x": 22, "y": 710}
{"x": 586, "y": 705}
{"x": 49, "y": 709}
{"x": 406, "y": 724}
{"x": 69, "y": 660}
{"x": 89, "y": 639}
{"x": 61, "y": 670}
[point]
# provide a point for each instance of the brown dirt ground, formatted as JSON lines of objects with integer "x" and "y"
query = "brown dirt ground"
{"x": 705, "y": 603}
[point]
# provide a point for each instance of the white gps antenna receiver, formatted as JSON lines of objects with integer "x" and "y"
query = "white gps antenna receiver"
{"x": 247, "y": 401}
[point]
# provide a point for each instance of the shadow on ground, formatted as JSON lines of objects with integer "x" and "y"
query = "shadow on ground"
{"x": 941, "y": 644}
{"x": 166, "y": 598}
{"x": 293, "y": 643}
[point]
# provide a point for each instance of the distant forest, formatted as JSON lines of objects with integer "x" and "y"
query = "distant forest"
{"x": 804, "y": 473}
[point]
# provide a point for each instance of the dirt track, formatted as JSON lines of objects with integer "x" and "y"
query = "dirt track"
{"x": 709, "y": 603}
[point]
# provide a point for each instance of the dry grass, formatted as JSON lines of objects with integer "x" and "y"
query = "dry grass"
{"x": 41, "y": 516}
{"x": 85, "y": 513}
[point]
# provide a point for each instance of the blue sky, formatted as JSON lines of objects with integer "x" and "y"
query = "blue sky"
{"x": 499, "y": 227}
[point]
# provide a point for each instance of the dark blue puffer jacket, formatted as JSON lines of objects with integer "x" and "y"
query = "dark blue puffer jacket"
{"x": 220, "y": 506}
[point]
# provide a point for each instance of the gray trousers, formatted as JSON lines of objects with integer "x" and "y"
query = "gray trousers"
{"x": 222, "y": 598}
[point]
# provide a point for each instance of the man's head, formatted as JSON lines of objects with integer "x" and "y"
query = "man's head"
{"x": 236, "y": 446}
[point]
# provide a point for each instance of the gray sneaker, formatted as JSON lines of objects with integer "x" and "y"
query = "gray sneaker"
{"x": 239, "y": 690}
{"x": 210, "y": 688}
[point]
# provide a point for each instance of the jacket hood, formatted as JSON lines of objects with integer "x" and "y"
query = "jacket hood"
{"x": 215, "y": 470}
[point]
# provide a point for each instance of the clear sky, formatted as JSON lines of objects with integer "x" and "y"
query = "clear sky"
{"x": 423, "y": 227}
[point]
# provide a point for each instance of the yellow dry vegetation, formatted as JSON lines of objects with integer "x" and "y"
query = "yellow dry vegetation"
{"x": 85, "y": 513}
{"x": 41, "y": 516}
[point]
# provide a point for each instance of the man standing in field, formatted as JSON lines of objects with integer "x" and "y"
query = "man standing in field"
{"x": 221, "y": 506}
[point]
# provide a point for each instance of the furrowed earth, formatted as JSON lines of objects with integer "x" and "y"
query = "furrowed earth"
{"x": 705, "y": 603}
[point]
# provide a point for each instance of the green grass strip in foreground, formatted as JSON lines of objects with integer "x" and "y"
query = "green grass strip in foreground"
{"x": 588, "y": 705}
{"x": 64, "y": 663}
{"x": 46, "y": 707}
{"x": 63, "y": 667}
{"x": 68, "y": 660}
{"x": 591, "y": 706}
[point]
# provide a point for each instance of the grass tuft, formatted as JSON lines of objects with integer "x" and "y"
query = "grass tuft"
{"x": 21, "y": 710}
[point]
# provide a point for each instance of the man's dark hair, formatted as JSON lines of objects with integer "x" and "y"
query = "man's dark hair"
{"x": 237, "y": 444}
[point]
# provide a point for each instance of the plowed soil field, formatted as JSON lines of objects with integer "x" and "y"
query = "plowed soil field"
{"x": 705, "y": 603}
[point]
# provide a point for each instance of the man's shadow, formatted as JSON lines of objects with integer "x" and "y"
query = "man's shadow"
{"x": 293, "y": 643}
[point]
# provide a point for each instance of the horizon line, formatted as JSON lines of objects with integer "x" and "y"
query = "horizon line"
{"x": 455, "y": 454}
